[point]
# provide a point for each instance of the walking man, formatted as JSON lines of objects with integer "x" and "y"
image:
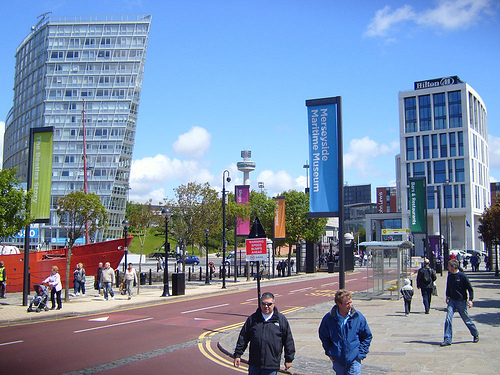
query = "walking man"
{"x": 425, "y": 282}
{"x": 107, "y": 280}
{"x": 457, "y": 286}
{"x": 268, "y": 333}
{"x": 345, "y": 335}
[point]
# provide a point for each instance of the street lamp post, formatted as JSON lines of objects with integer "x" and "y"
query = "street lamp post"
{"x": 125, "y": 229}
{"x": 207, "y": 279}
{"x": 166, "y": 289}
{"x": 447, "y": 247}
{"x": 224, "y": 244}
{"x": 306, "y": 167}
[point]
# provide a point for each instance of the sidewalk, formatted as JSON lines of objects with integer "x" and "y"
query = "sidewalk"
{"x": 401, "y": 345}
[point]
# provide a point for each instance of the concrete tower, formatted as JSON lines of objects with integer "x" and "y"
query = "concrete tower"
{"x": 246, "y": 166}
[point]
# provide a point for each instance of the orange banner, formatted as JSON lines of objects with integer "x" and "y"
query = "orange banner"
{"x": 279, "y": 219}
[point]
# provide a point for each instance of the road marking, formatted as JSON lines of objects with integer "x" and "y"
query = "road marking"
{"x": 112, "y": 325}
{"x": 350, "y": 280}
{"x": 12, "y": 342}
{"x": 103, "y": 319}
{"x": 335, "y": 282}
{"x": 205, "y": 308}
{"x": 300, "y": 290}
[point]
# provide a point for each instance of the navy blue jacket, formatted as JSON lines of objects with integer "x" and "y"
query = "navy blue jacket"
{"x": 345, "y": 345}
{"x": 267, "y": 340}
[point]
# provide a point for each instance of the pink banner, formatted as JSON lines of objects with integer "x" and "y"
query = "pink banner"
{"x": 242, "y": 194}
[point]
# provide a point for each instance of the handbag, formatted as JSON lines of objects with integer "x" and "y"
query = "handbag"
{"x": 121, "y": 287}
{"x": 434, "y": 289}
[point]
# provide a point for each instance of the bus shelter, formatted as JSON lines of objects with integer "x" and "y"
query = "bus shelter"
{"x": 387, "y": 267}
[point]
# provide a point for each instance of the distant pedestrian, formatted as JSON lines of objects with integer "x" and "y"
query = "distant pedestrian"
{"x": 159, "y": 263}
{"x": 79, "y": 280}
{"x": 97, "y": 282}
{"x": 474, "y": 263}
{"x": 107, "y": 280}
{"x": 278, "y": 268}
{"x": 268, "y": 333}
{"x": 457, "y": 288}
{"x": 130, "y": 279}
{"x": 407, "y": 293}
{"x": 425, "y": 282}
{"x": 345, "y": 335}
{"x": 3, "y": 279}
{"x": 54, "y": 282}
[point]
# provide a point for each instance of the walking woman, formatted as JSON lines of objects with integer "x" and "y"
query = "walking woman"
{"x": 54, "y": 281}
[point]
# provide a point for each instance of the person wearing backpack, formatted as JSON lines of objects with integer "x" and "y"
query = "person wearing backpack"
{"x": 425, "y": 282}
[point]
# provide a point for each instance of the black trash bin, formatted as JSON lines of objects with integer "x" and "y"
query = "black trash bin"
{"x": 330, "y": 267}
{"x": 178, "y": 284}
{"x": 143, "y": 278}
{"x": 439, "y": 266}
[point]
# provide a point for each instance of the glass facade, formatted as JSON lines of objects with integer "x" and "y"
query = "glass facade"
{"x": 71, "y": 69}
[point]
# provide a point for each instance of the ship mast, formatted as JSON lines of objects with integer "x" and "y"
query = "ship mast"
{"x": 85, "y": 169}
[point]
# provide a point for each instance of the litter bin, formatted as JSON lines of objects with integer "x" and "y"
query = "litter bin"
{"x": 178, "y": 284}
{"x": 330, "y": 267}
{"x": 439, "y": 266}
{"x": 143, "y": 278}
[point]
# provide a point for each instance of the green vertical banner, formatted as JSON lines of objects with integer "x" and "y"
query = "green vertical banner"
{"x": 41, "y": 173}
{"x": 418, "y": 220}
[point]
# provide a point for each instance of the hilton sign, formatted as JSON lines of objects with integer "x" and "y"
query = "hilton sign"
{"x": 437, "y": 82}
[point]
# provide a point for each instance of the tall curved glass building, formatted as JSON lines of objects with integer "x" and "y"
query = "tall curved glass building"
{"x": 71, "y": 69}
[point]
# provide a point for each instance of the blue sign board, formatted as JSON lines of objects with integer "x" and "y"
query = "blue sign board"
{"x": 21, "y": 233}
{"x": 325, "y": 156}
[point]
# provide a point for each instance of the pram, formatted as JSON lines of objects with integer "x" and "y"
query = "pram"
{"x": 39, "y": 302}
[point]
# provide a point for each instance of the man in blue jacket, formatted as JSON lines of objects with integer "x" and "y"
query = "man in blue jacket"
{"x": 345, "y": 335}
{"x": 268, "y": 333}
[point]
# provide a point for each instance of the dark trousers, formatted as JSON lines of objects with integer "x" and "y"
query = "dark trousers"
{"x": 53, "y": 294}
{"x": 407, "y": 306}
{"x": 426, "y": 296}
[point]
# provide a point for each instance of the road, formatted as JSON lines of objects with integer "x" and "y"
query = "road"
{"x": 172, "y": 337}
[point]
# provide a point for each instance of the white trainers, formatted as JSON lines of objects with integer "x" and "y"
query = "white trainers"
{"x": 83, "y": 295}
{"x": 77, "y": 294}
{"x": 72, "y": 294}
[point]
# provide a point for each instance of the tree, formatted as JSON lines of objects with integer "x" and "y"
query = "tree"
{"x": 196, "y": 208}
{"x": 14, "y": 204}
{"x": 75, "y": 211}
{"x": 264, "y": 208}
{"x": 489, "y": 229}
{"x": 142, "y": 220}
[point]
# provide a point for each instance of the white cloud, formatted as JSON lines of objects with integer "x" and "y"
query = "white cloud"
{"x": 278, "y": 182}
{"x": 448, "y": 15}
{"x": 194, "y": 143}
{"x": 363, "y": 152}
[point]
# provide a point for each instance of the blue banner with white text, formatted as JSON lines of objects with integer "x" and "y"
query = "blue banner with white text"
{"x": 323, "y": 129}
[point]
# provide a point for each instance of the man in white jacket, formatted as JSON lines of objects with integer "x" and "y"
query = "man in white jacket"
{"x": 107, "y": 280}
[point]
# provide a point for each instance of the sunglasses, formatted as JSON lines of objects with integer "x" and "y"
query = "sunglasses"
{"x": 267, "y": 303}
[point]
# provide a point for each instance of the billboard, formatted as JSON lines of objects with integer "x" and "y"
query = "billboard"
{"x": 418, "y": 222}
{"x": 242, "y": 196}
{"x": 41, "y": 172}
{"x": 279, "y": 219}
{"x": 325, "y": 156}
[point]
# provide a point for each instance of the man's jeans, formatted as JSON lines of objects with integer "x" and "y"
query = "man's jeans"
{"x": 252, "y": 370}
{"x": 461, "y": 308}
{"x": 427, "y": 296}
{"x": 354, "y": 369}
{"x": 108, "y": 288}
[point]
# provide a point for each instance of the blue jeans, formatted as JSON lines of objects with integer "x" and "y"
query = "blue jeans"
{"x": 353, "y": 369}
{"x": 108, "y": 288}
{"x": 252, "y": 370}
{"x": 427, "y": 296}
{"x": 461, "y": 308}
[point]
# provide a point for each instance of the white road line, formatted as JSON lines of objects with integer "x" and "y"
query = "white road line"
{"x": 350, "y": 280}
{"x": 12, "y": 342}
{"x": 300, "y": 290}
{"x": 336, "y": 282}
{"x": 204, "y": 308}
{"x": 112, "y": 325}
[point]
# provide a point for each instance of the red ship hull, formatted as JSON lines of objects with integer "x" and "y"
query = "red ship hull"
{"x": 41, "y": 262}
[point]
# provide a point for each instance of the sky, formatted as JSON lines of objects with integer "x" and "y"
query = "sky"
{"x": 224, "y": 76}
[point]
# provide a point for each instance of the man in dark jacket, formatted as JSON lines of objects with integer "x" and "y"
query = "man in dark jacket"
{"x": 425, "y": 282}
{"x": 457, "y": 286}
{"x": 268, "y": 333}
{"x": 345, "y": 335}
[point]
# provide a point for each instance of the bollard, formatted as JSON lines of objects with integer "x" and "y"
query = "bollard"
{"x": 200, "y": 273}
{"x": 189, "y": 274}
{"x": 150, "y": 277}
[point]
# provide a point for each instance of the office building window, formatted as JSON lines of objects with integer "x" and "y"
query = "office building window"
{"x": 429, "y": 172}
{"x": 460, "y": 143}
{"x": 453, "y": 144}
{"x": 457, "y": 196}
{"x": 434, "y": 139}
{"x": 408, "y": 172}
{"x": 448, "y": 196}
{"x": 459, "y": 170}
{"x": 439, "y": 171}
{"x": 419, "y": 169}
{"x": 455, "y": 109}
{"x": 444, "y": 145}
{"x": 424, "y": 111}
{"x": 431, "y": 198}
{"x": 462, "y": 191}
{"x": 410, "y": 148}
{"x": 439, "y": 111}
{"x": 425, "y": 143}
{"x": 450, "y": 170}
{"x": 419, "y": 153}
{"x": 410, "y": 115}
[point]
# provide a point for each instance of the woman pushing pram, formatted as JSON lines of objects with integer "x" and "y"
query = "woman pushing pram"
{"x": 39, "y": 302}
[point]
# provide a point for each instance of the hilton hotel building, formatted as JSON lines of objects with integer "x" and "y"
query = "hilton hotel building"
{"x": 444, "y": 139}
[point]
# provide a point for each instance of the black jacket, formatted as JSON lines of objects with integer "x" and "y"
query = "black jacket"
{"x": 267, "y": 340}
{"x": 457, "y": 286}
{"x": 421, "y": 282}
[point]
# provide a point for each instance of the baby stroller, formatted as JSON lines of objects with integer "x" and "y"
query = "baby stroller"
{"x": 39, "y": 302}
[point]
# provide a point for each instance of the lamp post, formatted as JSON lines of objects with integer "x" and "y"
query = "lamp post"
{"x": 207, "y": 279}
{"x": 125, "y": 229}
{"x": 306, "y": 167}
{"x": 166, "y": 290}
{"x": 224, "y": 244}
{"x": 447, "y": 247}
{"x": 430, "y": 255}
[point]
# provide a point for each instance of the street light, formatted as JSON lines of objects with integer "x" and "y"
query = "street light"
{"x": 125, "y": 229}
{"x": 306, "y": 167}
{"x": 207, "y": 279}
{"x": 447, "y": 247}
{"x": 224, "y": 244}
{"x": 166, "y": 290}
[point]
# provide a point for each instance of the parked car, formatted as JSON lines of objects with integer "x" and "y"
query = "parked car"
{"x": 190, "y": 259}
